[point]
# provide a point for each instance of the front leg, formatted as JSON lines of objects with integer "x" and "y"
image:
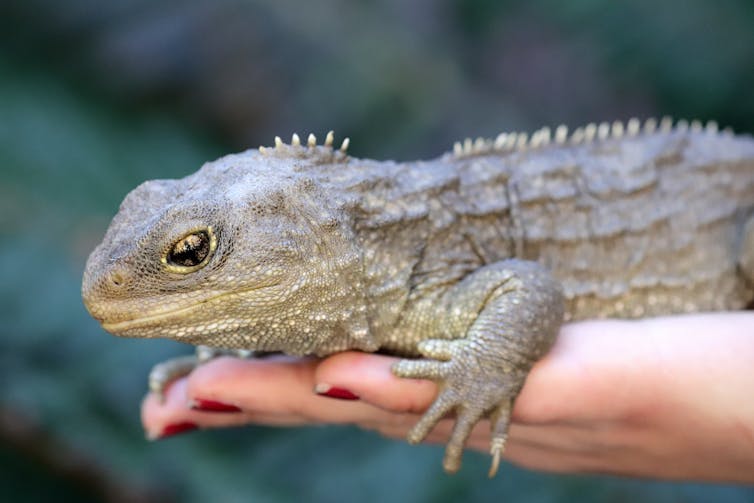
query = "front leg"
{"x": 494, "y": 325}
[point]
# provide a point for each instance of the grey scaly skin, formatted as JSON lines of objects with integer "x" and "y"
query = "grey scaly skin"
{"x": 468, "y": 263}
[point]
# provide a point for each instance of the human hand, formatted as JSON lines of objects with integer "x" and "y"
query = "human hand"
{"x": 663, "y": 398}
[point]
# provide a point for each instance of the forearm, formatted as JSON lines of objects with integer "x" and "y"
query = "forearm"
{"x": 661, "y": 398}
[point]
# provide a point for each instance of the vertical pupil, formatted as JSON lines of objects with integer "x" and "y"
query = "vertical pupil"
{"x": 191, "y": 250}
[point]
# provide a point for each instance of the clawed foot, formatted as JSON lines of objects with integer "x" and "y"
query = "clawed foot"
{"x": 470, "y": 387}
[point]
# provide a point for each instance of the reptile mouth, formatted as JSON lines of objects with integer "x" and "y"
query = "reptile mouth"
{"x": 122, "y": 326}
{"x": 152, "y": 319}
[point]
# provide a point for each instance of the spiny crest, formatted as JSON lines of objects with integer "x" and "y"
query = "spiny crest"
{"x": 309, "y": 150}
{"x": 514, "y": 142}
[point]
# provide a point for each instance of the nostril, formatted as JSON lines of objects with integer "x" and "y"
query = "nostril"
{"x": 117, "y": 279}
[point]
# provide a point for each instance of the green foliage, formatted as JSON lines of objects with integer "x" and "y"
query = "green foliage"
{"x": 93, "y": 103}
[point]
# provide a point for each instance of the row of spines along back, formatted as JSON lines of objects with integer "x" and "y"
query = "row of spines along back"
{"x": 517, "y": 141}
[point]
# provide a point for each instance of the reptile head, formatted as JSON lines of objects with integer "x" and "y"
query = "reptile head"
{"x": 232, "y": 256}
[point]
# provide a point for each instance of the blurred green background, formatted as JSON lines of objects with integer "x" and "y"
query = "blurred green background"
{"x": 96, "y": 97}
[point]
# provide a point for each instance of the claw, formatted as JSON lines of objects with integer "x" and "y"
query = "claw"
{"x": 496, "y": 449}
{"x": 500, "y": 421}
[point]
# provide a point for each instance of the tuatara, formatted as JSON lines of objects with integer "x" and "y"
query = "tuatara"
{"x": 467, "y": 264}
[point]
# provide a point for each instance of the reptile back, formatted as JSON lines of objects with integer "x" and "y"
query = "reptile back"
{"x": 632, "y": 227}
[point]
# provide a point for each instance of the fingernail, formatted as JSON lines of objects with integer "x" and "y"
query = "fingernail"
{"x": 176, "y": 429}
{"x": 334, "y": 392}
{"x": 212, "y": 406}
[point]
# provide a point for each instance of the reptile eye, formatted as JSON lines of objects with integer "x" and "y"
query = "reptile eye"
{"x": 191, "y": 252}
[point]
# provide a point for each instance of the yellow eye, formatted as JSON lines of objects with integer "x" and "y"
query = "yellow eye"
{"x": 191, "y": 252}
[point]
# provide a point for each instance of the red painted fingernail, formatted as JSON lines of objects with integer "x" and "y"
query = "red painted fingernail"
{"x": 333, "y": 392}
{"x": 213, "y": 406}
{"x": 177, "y": 428}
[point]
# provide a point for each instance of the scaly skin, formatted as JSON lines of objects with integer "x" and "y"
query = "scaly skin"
{"x": 471, "y": 261}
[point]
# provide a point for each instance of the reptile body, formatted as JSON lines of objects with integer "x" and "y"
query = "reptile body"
{"x": 470, "y": 261}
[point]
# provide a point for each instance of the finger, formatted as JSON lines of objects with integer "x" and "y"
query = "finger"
{"x": 561, "y": 438}
{"x": 369, "y": 377}
{"x": 551, "y": 460}
{"x": 157, "y": 416}
{"x": 401, "y": 424}
{"x": 262, "y": 385}
{"x": 526, "y": 453}
{"x": 281, "y": 387}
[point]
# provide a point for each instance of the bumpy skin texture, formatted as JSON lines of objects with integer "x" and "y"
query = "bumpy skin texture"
{"x": 470, "y": 261}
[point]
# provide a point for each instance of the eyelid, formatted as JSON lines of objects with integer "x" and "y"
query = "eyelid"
{"x": 182, "y": 269}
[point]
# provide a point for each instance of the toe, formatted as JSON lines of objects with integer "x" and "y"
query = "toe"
{"x": 420, "y": 369}
{"x": 168, "y": 371}
{"x": 421, "y": 429}
{"x": 467, "y": 418}
{"x": 437, "y": 349}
